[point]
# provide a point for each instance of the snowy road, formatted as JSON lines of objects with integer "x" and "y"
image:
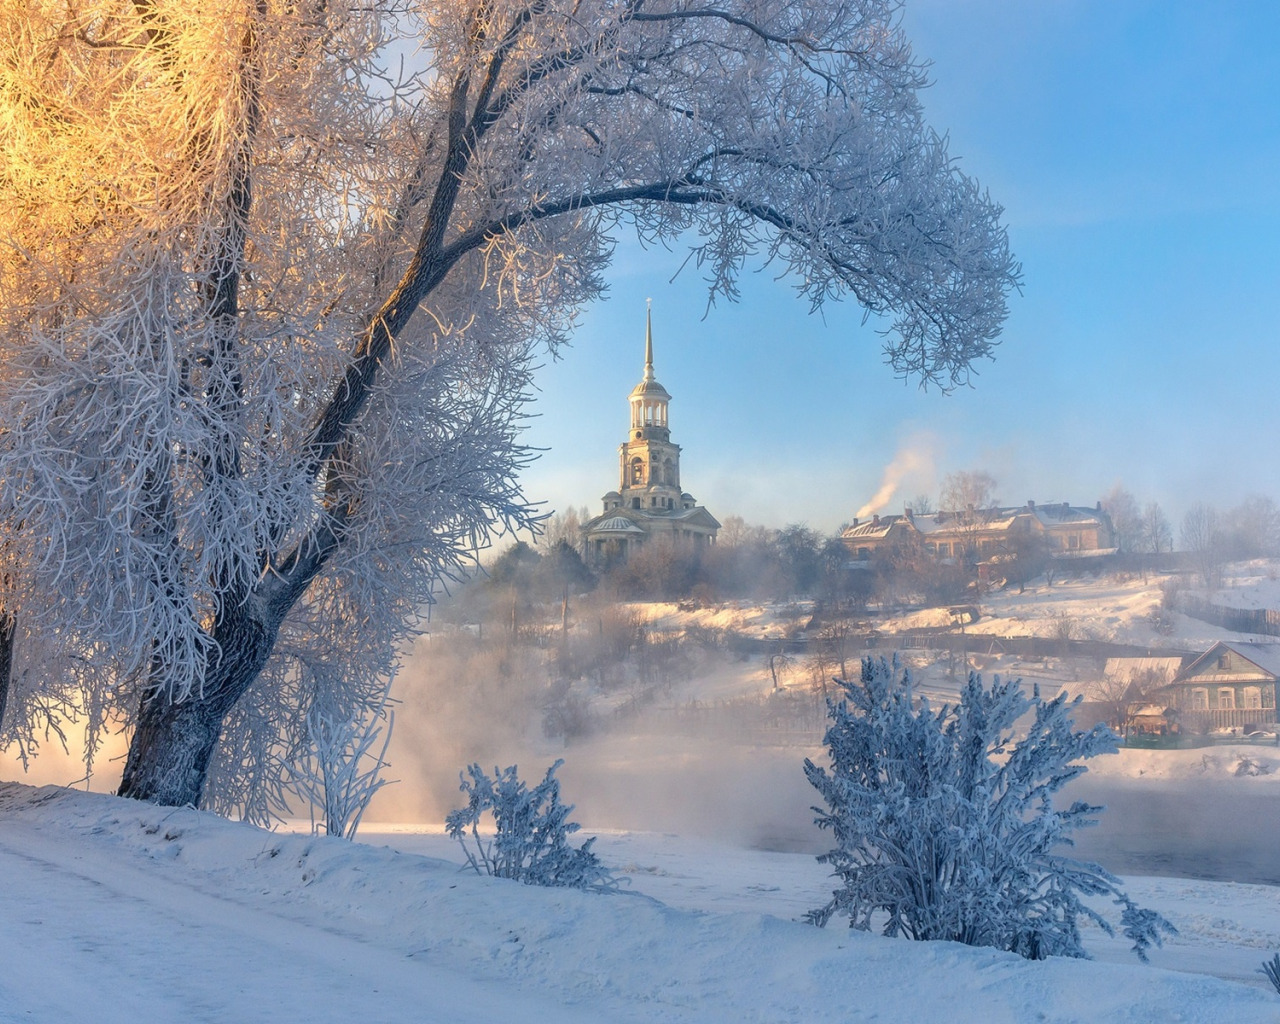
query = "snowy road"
{"x": 96, "y": 939}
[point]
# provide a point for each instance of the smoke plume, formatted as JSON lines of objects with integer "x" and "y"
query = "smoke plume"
{"x": 914, "y": 460}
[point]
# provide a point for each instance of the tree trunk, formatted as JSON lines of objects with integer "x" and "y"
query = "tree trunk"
{"x": 171, "y": 749}
{"x": 8, "y": 626}
{"x": 174, "y": 742}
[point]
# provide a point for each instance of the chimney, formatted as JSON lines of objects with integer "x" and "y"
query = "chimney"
{"x": 855, "y": 521}
{"x": 1031, "y": 505}
{"x": 875, "y": 520}
{"x": 908, "y": 512}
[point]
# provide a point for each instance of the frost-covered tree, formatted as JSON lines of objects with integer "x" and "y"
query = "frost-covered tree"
{"x": 1252, "y": 528}
{"x": 944, "y": 820}
{"x": 1155, "y": 532}
{"x": 1122, "y": 507}
{"x": 1203, "y": 538}
{"x": 272, "y": 273}
{"x": 967, "y": 492}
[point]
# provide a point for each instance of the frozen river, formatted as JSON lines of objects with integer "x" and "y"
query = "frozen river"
{"x": 1210, "y": 830}
{"x": 1196, "y": 827}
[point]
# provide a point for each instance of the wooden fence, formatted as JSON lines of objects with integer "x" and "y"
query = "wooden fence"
{"x": 1264, "y": 621}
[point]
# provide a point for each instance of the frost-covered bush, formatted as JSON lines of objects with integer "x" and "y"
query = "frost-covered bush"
{"x": 1249, "y": 767}
{"x": 1271, "y": 968}
{"x": 944, "y": 823}
{"x": 531, "y": 829}
{"x": 338, "y": 772}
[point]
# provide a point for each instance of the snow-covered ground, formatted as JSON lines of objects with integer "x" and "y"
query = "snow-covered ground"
{"x": 1111, "y": 607}
{"x": 1115, "y": 607}
{"x": 116, "y": 911}
{"x": 1252, "y": 584}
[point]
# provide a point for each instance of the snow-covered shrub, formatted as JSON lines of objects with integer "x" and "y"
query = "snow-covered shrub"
{"x": 944, "y": 823}
{"x": 1161, "y": 621}
{"x": 1249, "y": 767}
{"x": 530, "y": 841}
{"x": 1271, "y": 968}
{"x": 337, "y": 771}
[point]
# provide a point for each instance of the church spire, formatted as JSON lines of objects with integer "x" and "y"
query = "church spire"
{"x": 648, "y": 339}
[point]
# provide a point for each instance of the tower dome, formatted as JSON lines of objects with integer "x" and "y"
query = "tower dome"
{"x": 649, "y": 398}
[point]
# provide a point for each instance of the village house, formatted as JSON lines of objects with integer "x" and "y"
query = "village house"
{"x": 649, "y": 503}
{"x": 979, "y": 535}
{"x": 1130, "y": 696}
{"x": 1230, "y": 686}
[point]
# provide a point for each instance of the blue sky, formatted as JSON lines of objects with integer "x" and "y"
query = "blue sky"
{"x": 1136, "y": 148}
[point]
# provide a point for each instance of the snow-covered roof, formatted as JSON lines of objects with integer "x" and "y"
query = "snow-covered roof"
{"x": 988, "y": 519}
{"x": 616, "y": 524}
{"x": 1058, "y": 515}
{"x": 650, "y": 389}
{"x": 982, "y": 519}
{"x": 1131, "y": 669}
{"x": 1265, "y": 656}
{"x": 877, "y": 527}
{"x": 630, "y": 520}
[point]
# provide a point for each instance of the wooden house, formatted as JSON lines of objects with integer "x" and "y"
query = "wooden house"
{"x": 1230, "y": 686}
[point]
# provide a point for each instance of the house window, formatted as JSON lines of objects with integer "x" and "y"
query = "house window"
{"x": 1268, "y": 696}
{"x": 1252, "y": 697}
{"x": 1226, "y": 698}
{"x": 1073, "y": 541}
{"x": 1223, "y": 661}
{"x": 1199, "y": 699}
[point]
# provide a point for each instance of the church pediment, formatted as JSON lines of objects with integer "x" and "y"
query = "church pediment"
{"x": 698, "y": 516}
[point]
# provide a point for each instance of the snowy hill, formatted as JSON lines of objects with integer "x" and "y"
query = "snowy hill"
{"x": 117, "y": 911}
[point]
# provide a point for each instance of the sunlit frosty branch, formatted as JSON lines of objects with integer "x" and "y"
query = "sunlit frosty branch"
{"x": 271, "y": 289}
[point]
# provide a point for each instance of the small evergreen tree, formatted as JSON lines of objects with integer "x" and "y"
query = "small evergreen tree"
{"x": 945, "y": 826}
{"x": 530, "y": 843}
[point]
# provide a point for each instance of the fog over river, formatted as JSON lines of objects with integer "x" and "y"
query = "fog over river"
{"x": 1225, "y": 831}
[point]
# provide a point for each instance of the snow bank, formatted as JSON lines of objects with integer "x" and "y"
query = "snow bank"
{"x": 418, "y": 939}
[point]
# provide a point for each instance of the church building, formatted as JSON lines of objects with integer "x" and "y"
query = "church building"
{"x": 649, "y": 504}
